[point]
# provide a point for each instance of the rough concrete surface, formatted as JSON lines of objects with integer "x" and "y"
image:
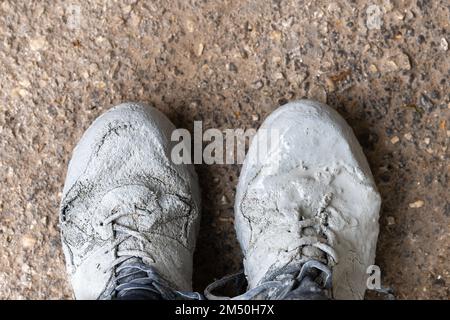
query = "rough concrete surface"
{"x": 384, "y": 65}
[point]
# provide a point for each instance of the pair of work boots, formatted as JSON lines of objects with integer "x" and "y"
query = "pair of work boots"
{"x": 306, "y": 214}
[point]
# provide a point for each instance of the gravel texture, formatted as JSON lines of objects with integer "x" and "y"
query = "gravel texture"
{"x": 384, "y": 65}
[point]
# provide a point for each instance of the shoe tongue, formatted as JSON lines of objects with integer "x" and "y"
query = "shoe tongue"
{"x": 129, "y": 272}
{"x": 308, "y": 289}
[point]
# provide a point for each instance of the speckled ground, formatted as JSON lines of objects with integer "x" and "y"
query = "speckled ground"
{"x": 384, "y": 65}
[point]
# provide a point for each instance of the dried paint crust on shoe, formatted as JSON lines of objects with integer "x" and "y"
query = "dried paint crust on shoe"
{"x": 314, "y": 179}
{"x": 121, "y": 175}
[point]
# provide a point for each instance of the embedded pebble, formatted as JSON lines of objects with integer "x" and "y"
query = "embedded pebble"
{"x": 258, "y": 85}
{"x": 396, "y": 63}
{"x": 444, "y": 44}
{"x": 28, "y": 241}
{"x": 38, "y": 43}
{"x": 416, "y": 204}
{"x": 390, "y": 221}
{"x": 200, "y": 49}
{"x": 394, "y": 140}
{"x": 224, "y": 200}
{"x": 374, "y": 17}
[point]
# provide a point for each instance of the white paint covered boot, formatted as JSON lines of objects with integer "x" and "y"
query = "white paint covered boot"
{"x": 129, "y": 216}
{"x": 308, "y": 206}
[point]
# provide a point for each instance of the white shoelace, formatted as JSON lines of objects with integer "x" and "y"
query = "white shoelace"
{"x": 143, "y": 277}
{"x": 123, "y": 255}
{"x": 323, "y": 241}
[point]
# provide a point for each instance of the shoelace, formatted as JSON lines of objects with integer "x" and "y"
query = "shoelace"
{"x": 146, "y": 278}
{"x": 328, "y": 239}
{"x": 323, "y": 241}
{"x": 141, "y": 275}
{"x": 126, "y": 233}
{"x": 325, "y": 238}
{"x": 276, "y": 289}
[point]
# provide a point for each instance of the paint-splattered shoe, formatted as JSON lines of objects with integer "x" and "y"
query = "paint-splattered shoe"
{"x": 129, "y": 216}
{"x": 307, "y": 207}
